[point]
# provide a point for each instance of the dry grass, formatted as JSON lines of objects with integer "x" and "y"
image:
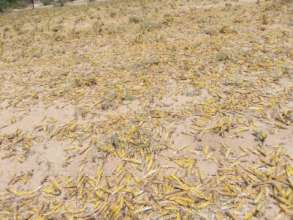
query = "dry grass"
{"x": 147, "y": 110}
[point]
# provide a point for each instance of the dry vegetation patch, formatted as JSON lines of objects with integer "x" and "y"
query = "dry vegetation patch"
{"x": 147, "y": 110}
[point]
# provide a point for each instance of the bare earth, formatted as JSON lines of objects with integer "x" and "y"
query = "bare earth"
{"x": 147, "y": 110}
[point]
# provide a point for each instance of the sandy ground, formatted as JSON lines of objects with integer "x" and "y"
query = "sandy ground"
{"x": 147, "y": 110}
